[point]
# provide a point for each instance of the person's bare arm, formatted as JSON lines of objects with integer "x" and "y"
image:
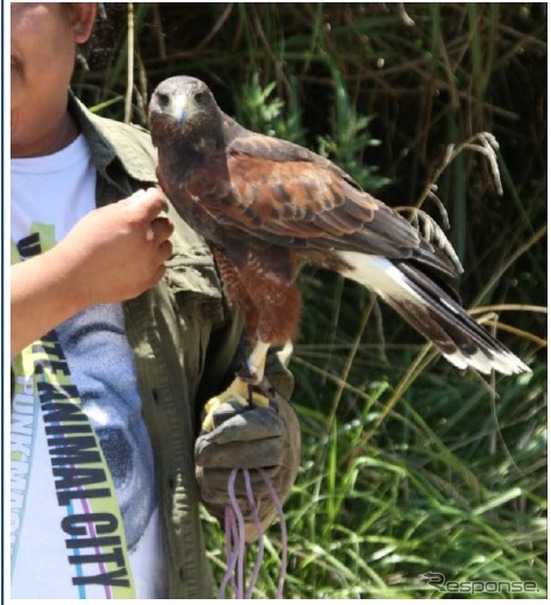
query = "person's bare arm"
{"x": 113, "y": 254}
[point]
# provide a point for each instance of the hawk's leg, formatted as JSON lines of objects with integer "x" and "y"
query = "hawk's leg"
{"x": 277, "y": 306}
{"x": 253, "y": 369}
{"x": 260, "y": 280}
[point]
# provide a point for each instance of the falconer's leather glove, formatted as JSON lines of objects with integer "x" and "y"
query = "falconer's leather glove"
{"x": 250, "y": 437}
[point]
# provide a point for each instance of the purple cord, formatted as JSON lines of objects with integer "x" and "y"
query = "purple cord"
{"x": 235, "y": 538}
{"x": 240, "y": 535}
{"x": 231, "y": 553}
{"x": 283, "y": 528}
{"x": 254, "y": 511}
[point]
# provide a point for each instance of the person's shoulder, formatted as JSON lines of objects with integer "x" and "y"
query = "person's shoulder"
{"x": 109, "y": 139}
{"x": 120, "y": 133}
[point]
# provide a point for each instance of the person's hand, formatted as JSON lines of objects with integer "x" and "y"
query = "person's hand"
{"x": 118, "y": 251}
{"x": 112, "y": 254}
{"x": 249, "y": 438}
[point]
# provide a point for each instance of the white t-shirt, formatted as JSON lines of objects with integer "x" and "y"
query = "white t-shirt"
{"x": 84, "y": 509}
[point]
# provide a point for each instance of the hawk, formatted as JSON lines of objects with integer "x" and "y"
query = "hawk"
{"x": 266, "y": 206}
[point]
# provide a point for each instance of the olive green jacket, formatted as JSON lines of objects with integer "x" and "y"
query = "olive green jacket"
{"x": 185, "y": 342}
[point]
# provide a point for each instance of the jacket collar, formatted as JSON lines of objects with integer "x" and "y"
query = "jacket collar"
{"x": 114, "y": 142}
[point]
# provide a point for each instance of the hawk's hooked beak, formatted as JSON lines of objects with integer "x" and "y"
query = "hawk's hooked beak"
{"x": 180, "y": 107}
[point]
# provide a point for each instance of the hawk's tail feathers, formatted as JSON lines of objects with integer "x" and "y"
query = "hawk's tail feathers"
{"x": 433, "y": 313}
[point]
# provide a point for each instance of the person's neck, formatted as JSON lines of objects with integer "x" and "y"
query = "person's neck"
{"x": 58, "y": 135}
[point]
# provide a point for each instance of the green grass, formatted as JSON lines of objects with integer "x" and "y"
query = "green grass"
{"x": 409, "y": 465}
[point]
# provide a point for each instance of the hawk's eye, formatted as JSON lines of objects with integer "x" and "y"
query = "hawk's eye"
{"x": 163, "y": 99}
{"x": 198, "y": 97}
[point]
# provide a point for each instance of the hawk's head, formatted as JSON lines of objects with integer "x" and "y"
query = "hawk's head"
{"x": 184, "y": 107}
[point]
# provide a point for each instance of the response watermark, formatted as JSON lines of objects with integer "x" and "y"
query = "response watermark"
{"x": 438, "y": 580}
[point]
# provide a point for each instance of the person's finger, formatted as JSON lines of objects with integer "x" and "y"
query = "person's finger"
{"x": 159, "y": 230}
{"x": 162, "y": 228}
{"x": 165, "y": 250}
{"x": 148, "y": 203}
{"x": 158, "y": 275}
{"x": 156, "y": 201}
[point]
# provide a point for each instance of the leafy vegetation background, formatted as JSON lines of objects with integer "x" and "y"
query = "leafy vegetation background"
{"x": 409, "y": 465}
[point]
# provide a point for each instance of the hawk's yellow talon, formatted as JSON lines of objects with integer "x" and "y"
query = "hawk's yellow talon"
{"x": 239, "y": 392}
